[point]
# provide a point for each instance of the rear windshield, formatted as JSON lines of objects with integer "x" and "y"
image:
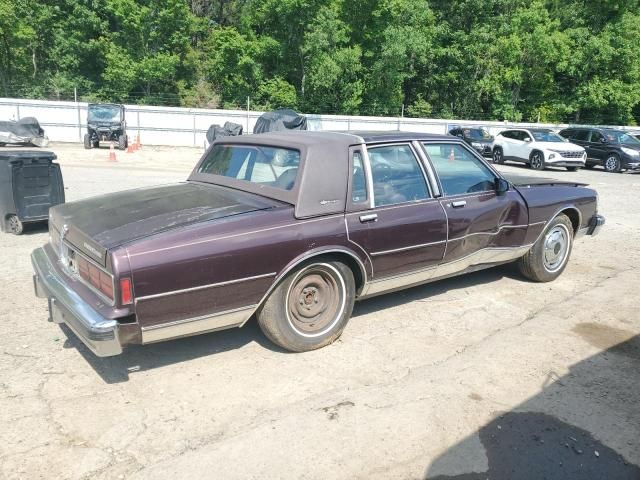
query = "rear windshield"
{"x": 273, "y": 166}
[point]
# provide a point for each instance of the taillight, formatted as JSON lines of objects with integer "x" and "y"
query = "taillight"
{"x": 95, "y": 276}
{"x": 126, "y": 295}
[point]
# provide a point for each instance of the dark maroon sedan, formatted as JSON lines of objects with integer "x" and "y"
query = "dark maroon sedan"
{"x": 293, "y": 228}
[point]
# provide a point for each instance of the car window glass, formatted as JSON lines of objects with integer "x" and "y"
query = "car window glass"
{"x": 596, "y": 136}
{"x": 580, "y": 135}
{"x": 459, "y": 170}
{"x": 397, "y": 176}
{"x": 358, "y": 180}
{"x": 507, "y": 134}
{"x": 272, "y": 166}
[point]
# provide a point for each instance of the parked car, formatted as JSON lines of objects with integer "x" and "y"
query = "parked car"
{"x": 539, "y": 147}
{"x": 478, "y": 138}
{"x": 615, "y": 150}
{"x": 293, "y": 227}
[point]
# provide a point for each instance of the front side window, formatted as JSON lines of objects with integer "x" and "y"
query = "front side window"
{"x": 272, "y": 166}
{"x": 459, "y": 170}
{"x": 596, "y": 136}
{"x": 580, "y": 135}
{"x": 397, "y": 176}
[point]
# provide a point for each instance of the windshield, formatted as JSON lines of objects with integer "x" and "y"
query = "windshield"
{"x": 615, "y": 136}
{"x": 477, "y": 134}
{"x": 104, "y": 113}
{"x": 272, "y": 166}
{"x": 546, "y": 136}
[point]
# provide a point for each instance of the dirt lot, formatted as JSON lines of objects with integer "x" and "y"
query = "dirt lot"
{"x": 485, "y": 375}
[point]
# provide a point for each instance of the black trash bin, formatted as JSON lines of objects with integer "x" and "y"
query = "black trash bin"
{"x": 30, "y": 183}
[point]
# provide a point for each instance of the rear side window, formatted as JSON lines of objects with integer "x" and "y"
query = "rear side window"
{"x": 272, "y": 166}
{"x": 358, "y": 180}
{"x": 596, "y": 136}
{"x": 397, "y": 176}
{"x": 580, "y": 135}
{"x": 459, "y": 170}
{"x": 507, "y": 134}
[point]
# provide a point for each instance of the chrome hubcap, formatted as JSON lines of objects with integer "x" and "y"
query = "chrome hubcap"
{"x": 536, "y": 162}
{"x": 612, "y": 163}
{"x": 556, "y": 248}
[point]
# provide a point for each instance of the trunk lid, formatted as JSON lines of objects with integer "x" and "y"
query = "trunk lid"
{"x": 98, "y": 224}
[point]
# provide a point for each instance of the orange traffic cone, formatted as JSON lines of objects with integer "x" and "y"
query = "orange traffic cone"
{"x": 130, "y": 147}
{"x": 138, "y": 144}
{"x": 112, "y": 153}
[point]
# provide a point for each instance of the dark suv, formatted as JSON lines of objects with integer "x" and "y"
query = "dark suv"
{"x": 615, "y": 150}
{"x": 478, "y": 138}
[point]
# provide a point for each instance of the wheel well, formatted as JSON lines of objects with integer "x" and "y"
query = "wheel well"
{"x": 536, "y": 151}
{"x": 574, "y": 216}
{"x": 350, "y": 262}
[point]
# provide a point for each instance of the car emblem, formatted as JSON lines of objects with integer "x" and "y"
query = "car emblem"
{"x": 328, "y": 202}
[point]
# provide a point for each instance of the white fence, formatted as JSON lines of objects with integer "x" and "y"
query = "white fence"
{"x": 66, "y": 121}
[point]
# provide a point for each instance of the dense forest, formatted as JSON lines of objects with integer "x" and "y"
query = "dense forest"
{"x": 549, "y": 60}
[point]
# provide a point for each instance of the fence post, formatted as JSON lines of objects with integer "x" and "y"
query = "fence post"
{"x": 17, "y": 112}
{"x": 75, "y": 99}
{"x": 194, "y": 130}
{"x": 248, "y": 105}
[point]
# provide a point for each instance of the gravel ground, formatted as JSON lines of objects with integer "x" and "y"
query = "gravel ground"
{"x": 484, "y": 375}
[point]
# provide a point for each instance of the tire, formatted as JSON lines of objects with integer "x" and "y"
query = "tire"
{"x": 536, "y": 161}
{"x": 87, "y": 141}
{"x": 549, "y": 256}
{"x": 122, "y": 142}
{"x": 572, "y": 169}
{"x": 310, "y": 307}
{"x": 96, "y": 144}
{"x": 612, "y": 164}
{"x": 498, "y": 156}
{"x": 15, "y": 225}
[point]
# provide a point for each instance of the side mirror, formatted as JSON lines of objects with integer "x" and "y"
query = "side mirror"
{"x": 501, "y": 186}
{"x": 604, "y": 140}
{"x": 527, "y": 139}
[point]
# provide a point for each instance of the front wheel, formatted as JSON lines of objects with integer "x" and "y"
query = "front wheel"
{"x": 87, "y": 141}
{"x": 122, "y": 142}
{"x": 548, "y": 257}
{"x": 498, "y": 157}
{"x": 15, "y": 225}
{"x": 537, "y": 161}
{"x": 612, "y": 164}
{"x": 310, "y": 308}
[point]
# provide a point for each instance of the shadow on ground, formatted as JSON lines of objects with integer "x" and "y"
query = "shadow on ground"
{"x": 137, "y": 358}
{"x": 537, "y": 440}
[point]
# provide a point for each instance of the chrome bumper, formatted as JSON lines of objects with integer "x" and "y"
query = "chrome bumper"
{"x": 595, "y": 224}
{"x": 98, "y": 333}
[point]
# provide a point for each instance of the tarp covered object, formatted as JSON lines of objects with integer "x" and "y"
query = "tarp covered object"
{"x": 229, "y": 129}
{"x": 26, "y": 131}
{"x": 279, "y": 120}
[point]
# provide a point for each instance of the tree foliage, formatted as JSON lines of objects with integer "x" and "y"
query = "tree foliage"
{"x": 547, "y": 60}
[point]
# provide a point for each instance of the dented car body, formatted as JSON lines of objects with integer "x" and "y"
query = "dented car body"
{"x": 293, "y": 227}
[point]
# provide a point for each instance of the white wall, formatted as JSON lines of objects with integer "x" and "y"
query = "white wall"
{"x": 66, "y": 121}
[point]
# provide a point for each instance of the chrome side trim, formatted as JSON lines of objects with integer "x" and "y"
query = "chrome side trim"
{"x": 368, "y": 174}
{"x": 203, "y": 287}
{"x": 301, "y": 259}
{"x": 195, "y": 325}
{"x": 431, "y": 176}
{"x": 208, "y": 240}
{"x": 566, "y": 207}
{"x": 412, "y": 247}
{"x": 493, "y": 233}
{"x": 485, "y": 256}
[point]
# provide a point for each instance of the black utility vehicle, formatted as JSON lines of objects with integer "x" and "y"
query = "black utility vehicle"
{"x": 478, "y": 138}
{"x": 105, "y": 122}
{"x": 615, "y": 150}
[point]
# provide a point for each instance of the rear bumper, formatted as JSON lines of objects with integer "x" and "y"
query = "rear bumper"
{"x": 98, "y": 333}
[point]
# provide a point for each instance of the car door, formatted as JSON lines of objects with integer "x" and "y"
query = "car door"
{"x": 598, "y": 147}
{"x": 395, "y": 219}
{"x": 480, "y": 221}
{"x": 522, "y": 145}
{"x": 506, "y": 142}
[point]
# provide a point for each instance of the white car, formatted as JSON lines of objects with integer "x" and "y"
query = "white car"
{"x": 539, "y": 148}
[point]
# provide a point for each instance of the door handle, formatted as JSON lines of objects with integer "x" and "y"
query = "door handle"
{"x": 459, "y": 204}
{"x": 372, "y": 217}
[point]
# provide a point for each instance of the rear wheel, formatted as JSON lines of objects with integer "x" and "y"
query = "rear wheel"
{"x": 548, "y": 257}
{"x": 536, "y": 161}
{"x": 310, "y": 308}
{"x": 498, "y": 157}
{"x": 122, "y": 142}
{"x": 87, "y": 141}
{"x": 15, "y": 225}
{"x": 612, "y": 164}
